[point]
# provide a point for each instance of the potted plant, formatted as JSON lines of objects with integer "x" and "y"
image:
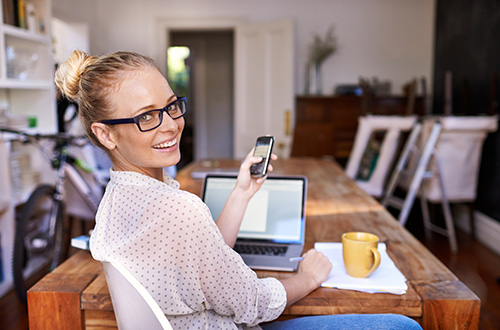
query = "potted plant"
{"x": 319, "y": 50}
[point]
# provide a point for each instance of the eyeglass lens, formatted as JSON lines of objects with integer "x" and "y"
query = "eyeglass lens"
{"x": 152, "y": 119}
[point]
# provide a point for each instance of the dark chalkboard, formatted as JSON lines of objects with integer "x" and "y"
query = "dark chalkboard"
{"x": 468, "y": 45}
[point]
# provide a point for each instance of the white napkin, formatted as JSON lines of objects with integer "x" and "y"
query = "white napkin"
{"x": 386, "y": 279}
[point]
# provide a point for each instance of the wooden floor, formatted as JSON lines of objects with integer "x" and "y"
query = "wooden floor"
{"x": 475, "y": 265}
{"x": 478, "y": 267}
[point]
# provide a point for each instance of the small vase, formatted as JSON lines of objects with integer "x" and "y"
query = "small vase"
{"x": 314, "y": 79}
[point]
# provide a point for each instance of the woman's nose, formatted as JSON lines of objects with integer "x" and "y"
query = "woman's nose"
{"x": 168, "y": 123}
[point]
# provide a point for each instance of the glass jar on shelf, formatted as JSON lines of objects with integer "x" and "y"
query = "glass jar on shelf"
{"x": 21, "y": 61}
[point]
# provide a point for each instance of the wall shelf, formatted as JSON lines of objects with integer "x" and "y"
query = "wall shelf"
{"x": 10, "y": 83}
{"x": 24, "y": 34}
{"x": 26, "y": 89}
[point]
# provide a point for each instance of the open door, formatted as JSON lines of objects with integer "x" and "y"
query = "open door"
{"x": 264, "y": 85}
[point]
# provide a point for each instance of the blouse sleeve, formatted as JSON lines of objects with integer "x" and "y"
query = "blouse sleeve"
{"x": 232, "y": 288}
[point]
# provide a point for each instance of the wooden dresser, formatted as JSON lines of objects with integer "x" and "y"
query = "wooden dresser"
{"x": 326, "y": 125}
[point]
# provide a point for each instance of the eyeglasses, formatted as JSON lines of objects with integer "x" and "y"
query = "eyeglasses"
{"x": 151, "y": 119}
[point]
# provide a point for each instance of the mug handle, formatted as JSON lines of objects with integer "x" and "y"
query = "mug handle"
{"x": 376, "y": 261}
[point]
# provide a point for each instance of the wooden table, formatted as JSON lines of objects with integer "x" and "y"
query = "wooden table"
{"x": 75, "y": 295}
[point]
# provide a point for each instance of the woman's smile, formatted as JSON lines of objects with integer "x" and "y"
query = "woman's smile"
{"x": 167, "y": 145}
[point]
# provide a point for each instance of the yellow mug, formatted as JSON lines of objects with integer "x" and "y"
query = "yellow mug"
{"x": 361, "y": 257}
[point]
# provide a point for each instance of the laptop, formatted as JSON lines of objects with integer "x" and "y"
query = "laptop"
{"x": 272, "y": 231}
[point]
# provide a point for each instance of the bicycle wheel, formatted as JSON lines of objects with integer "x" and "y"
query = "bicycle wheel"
{"x": 39, "y": 244}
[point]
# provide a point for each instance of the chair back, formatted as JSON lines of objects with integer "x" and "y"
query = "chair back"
{"x": 459, "y": 152}
{"x": 134, "y": 307}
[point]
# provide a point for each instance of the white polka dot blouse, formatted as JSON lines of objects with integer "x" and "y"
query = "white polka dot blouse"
{"x": 167, "y": 238}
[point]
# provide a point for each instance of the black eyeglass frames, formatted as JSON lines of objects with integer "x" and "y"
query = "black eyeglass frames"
{"x": 152, "y": 119}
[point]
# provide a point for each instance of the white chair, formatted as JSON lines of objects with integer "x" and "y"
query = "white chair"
{"x": 412, "y": 176}
{"x": 133, "y": 305}
{"x": 459, "y": 151}
{"x": 393, "y": 126}
{"x": 445, "y": 169}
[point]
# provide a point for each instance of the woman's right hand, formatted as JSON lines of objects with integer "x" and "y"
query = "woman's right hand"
{"x": 316, "y": 265}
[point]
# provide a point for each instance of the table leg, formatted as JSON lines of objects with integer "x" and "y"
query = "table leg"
{"x": 54, "y": 302}
{"x": 448, "y": 305}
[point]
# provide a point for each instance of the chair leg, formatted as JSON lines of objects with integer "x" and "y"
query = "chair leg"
{"x": 426, "y": 216}
{"x": 450, "y": 227}
{"x": 420, "y": 173}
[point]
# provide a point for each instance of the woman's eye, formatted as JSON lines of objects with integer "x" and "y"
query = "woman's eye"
{"x": 145, "y": 117}
{"x": 172, "y": 109}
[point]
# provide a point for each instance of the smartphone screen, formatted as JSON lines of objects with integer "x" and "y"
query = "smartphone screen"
{"x": 263, "y": 148}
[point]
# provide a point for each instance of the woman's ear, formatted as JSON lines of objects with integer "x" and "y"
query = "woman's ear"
{"x": 104, "y": 135}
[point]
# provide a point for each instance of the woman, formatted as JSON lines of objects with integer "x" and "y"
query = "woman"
{"x": 165, "y": 236}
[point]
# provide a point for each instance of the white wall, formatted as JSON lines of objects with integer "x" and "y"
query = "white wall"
{"x": 67, "y": 37}
{"x": 390, "y": 39}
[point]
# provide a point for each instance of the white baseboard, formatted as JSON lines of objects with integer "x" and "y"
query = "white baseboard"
{"x": 487, "y": 229}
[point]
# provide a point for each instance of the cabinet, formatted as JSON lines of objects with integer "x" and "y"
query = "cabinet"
{"x": 326, "y": 125}
{"x": 26, "y": 90}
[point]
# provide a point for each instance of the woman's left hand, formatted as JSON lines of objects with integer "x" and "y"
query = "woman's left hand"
{"x": 246, "y": 183}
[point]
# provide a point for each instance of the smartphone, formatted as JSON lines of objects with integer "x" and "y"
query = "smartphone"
{"x": 263, "y": 148}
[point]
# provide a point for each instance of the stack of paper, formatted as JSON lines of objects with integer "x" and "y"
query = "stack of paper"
{"x": 387, "y": 278}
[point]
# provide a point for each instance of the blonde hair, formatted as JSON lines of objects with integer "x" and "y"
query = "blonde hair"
{"x": 91, "y": 80}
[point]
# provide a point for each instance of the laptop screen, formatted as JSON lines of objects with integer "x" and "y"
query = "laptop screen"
{"x": 275, "y": 213}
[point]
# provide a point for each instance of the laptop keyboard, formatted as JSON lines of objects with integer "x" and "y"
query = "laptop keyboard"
{"x": 268, "y": 250}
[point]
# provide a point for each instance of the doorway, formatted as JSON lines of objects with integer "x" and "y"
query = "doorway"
{"x": 210, "y": 69}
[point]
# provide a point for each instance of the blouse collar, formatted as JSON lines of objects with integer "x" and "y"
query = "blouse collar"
{"x": 135, "y": 178}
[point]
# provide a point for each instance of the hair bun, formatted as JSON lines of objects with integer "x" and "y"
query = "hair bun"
{"x": 69, "y": 73}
